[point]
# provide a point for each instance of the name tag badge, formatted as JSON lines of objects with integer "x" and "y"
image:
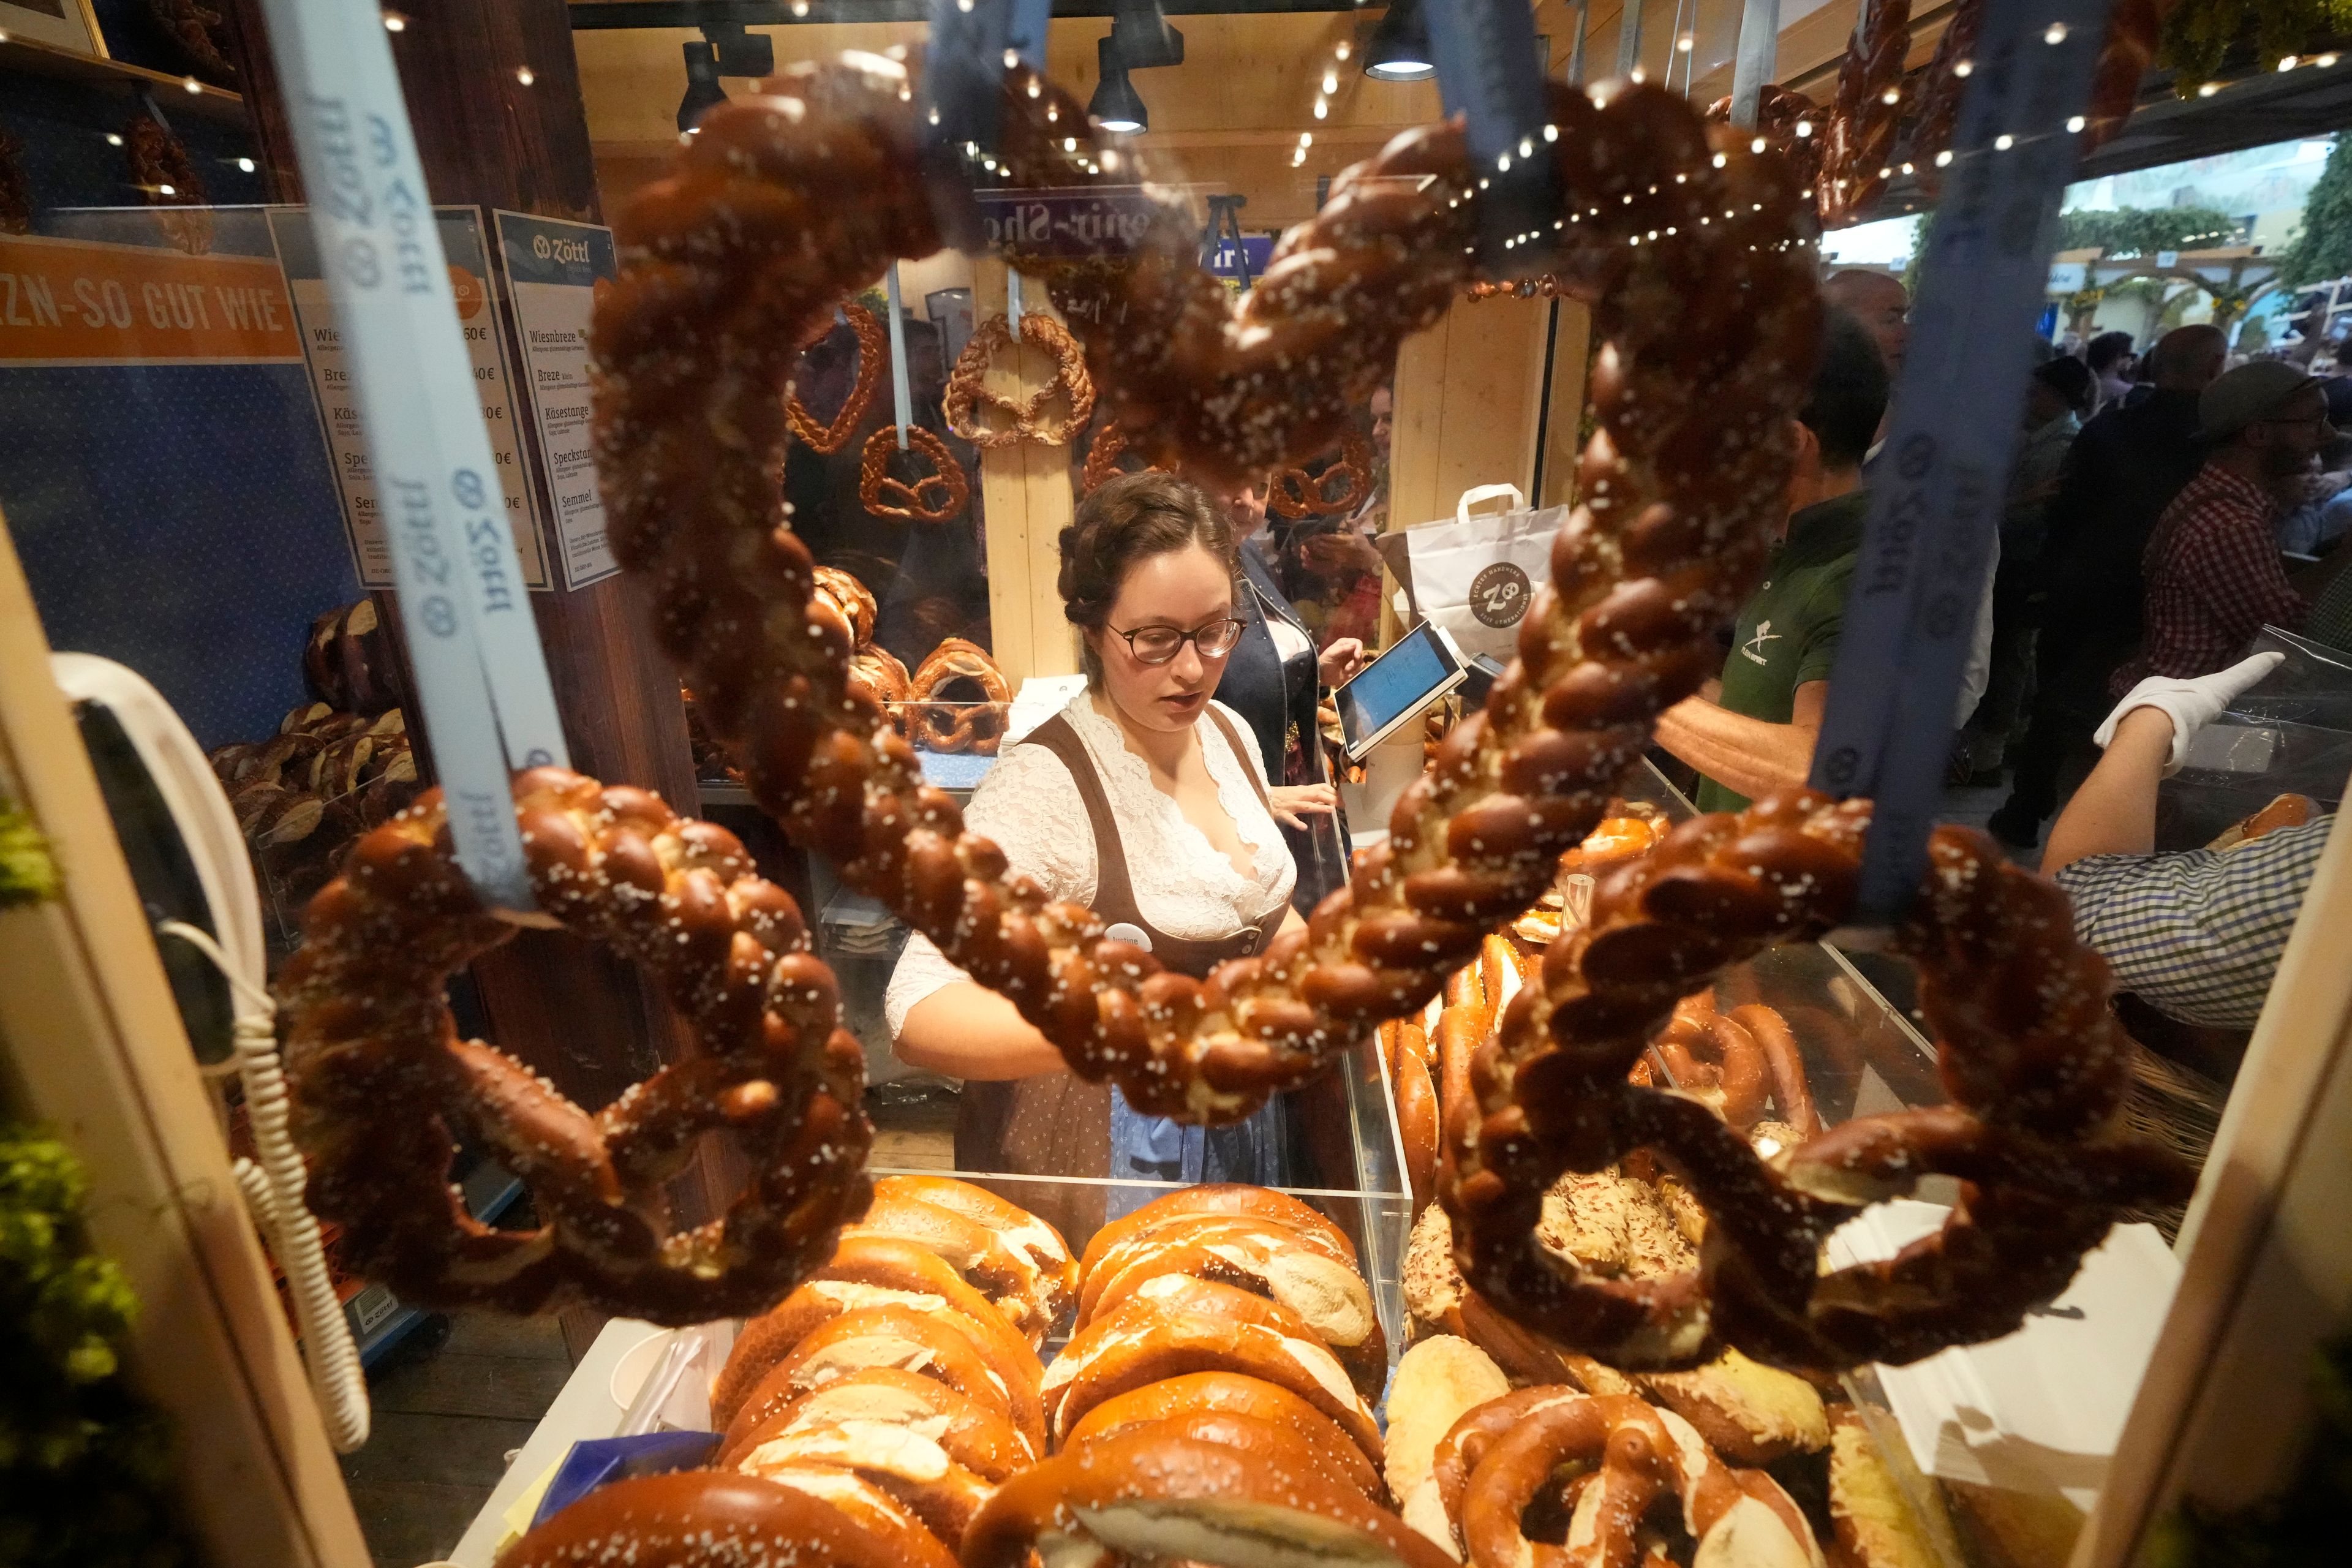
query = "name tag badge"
{"x": 1123, "y": 932}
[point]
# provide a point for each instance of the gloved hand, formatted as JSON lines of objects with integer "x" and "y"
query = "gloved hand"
{"x": 2191, "y": 704}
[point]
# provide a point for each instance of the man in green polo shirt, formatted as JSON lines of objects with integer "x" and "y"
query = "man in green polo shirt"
{"x": 1755, "y": 734}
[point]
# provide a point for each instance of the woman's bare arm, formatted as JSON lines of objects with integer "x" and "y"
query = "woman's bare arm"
{"x": 966, "y": 1030}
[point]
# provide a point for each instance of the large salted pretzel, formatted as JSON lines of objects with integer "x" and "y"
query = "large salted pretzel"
{"x": 1695, "y": 257}
{"x": 1845, "y": 150}
{"x": 381, "y": 1084}
{"x": 1693, "y": 252}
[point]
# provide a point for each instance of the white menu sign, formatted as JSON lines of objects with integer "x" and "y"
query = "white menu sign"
{"x": 462, "y": 242}
{"x": 553, "y": 266}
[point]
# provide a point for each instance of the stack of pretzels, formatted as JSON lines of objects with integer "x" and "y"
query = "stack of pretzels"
{"x": 900, "y": 1382}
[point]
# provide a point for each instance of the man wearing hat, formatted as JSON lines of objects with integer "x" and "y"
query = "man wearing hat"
{"x": 2214, "y": 576}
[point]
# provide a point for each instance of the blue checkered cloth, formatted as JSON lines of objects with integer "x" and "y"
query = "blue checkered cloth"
{"x": 2197, "y": 934}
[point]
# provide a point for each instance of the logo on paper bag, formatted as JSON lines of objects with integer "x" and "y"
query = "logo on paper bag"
{"x": 1499, "y": 595}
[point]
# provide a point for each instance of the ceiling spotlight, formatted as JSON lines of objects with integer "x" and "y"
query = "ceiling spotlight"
{"x": 1398, "y": 49}
{"x": 703, "y": 92}
{"x": 1139, "y": 39}
{"x": 1116, "y": 105}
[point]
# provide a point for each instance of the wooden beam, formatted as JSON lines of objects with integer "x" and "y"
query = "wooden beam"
{"x": 1025, "y": 502}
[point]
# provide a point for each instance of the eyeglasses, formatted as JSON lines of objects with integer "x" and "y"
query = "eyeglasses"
{"x": 1158, "y": 644}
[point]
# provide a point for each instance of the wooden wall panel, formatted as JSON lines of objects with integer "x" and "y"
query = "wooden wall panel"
{"x": 1025, "y": 502}
{"x": 1468, "y": 406}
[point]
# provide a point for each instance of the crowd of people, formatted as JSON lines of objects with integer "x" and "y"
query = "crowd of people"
{"x": 2161, "y": 510}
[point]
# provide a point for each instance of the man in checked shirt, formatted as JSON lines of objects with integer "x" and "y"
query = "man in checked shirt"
{"x": 2214, "y": 576}
{"x": 2195, "y": 933}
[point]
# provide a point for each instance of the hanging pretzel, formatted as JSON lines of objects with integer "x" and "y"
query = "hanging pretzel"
{"x": 168, "y": 180}
{"x": 1102, "y": 459}
{"x": 1684, "y": 494}
{"x": 1687, "y": 492}
{"x": 886, "y": 495}
{"x": 1023, "y": 418}
{"x": 872, "y": 354}
{"x": 1297, "y": 493}
{"x": 2036, "y": 1067}
{"x": 383, "y": 1086}
{"x": 16, "y": 191}
{"x": 960, "y": 726}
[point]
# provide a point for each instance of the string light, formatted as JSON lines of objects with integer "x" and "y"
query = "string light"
{"x": 1943, "y": 158}
{"x": 2209, "y": 90}
{"x": 2286, "y": 63}
{"x": 1963, "y": 67}
{"x": 2076, "y": 123}
{"x": 1892, "y": 95}
{"x": 1322, "y": 108}
{"x": 112, "y": 139}
{"x": 1330, "y": 81}
{"x": 393, "y": 22}
{"x": 2003, "y": 142}
{"x": 1804, "y": 129}
{"x": 2054, "y": 34}
{"x": 524, "y": 75}
{"x": 1684, "y": 43}
{"x": 191, "y": 86}
{"x": 245, "y": 166}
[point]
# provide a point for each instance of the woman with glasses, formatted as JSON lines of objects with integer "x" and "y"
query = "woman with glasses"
{"x": 1146, "y": 801}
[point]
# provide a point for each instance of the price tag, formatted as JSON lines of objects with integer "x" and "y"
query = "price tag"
{"x": 1490, "y": 71}
{"x": 482, "y": 680}
{"x": 1937, "y": 485}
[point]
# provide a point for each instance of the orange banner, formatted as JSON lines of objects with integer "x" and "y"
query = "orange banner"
{"x": 72, "y": 301}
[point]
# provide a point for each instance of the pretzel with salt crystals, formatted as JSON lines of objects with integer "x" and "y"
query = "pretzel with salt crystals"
{"x": 381, "y": 1084}
{"x": 1637, "y": 1456}
{"x": 865, "y": 1271}
{"x": 967, "y": 391}
{"x": 719, "y": 262}
{"x": 960, "y": 726}
{"x": 872, "y": 356}
{"x": 2036, "y": 1067}
{"x": 935, "y": 498}
{"x": 1232, "y": 1393}
{"x": 1154, "y": 1495}
{"x": 1684, "y": 494}
{"x": 1859, "y": 140}
{"x": 1102, "y": 459}
{"x": 1295, "y": 492}
{"x": 711, "y": 1519}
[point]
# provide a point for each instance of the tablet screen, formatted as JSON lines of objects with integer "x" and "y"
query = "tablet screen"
{"x": 1393, "y": 684}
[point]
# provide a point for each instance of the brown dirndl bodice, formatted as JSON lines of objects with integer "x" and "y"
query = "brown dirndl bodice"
{"x": 1058, "y": 1124}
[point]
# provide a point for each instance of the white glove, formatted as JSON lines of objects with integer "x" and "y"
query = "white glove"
{"x": 2191, "y": 704}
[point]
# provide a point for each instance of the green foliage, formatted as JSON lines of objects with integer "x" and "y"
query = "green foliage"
{"x": 2199, "y": 33}
{"x": 2323, "y": 249}
{"x": 2304, "y": 1524}
{"x": 2144, "y": 231}
{"x": 85, "y": 1466}
{"x": 28, "y": 875}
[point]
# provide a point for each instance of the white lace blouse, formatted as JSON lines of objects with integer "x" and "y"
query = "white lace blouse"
{"x": 1183, "y": 885}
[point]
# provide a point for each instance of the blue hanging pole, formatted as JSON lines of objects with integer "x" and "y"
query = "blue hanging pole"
{"x": 1936, "y": 489}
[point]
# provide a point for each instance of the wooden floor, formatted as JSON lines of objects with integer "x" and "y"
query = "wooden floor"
{"x": 447, "y": 1419}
